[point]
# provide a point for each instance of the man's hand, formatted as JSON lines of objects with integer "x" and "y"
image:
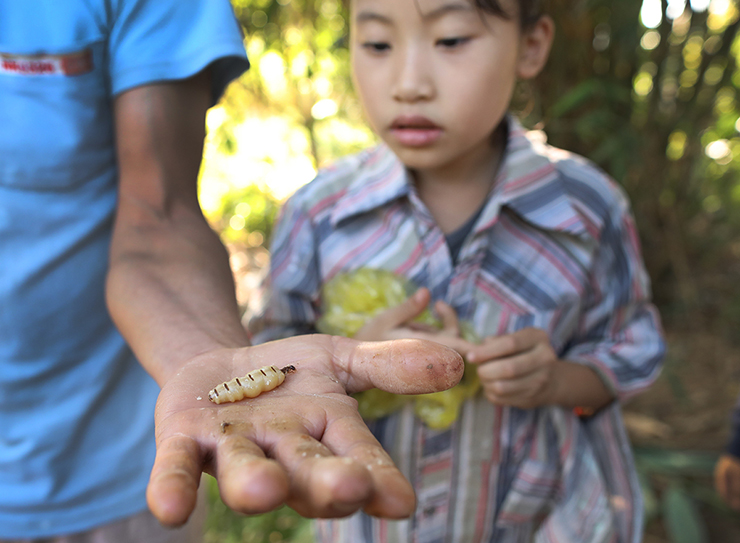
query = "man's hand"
{"x": 171, "y": 293}
{"x": 302, "y": 443}
{"x": 727, "y": 480}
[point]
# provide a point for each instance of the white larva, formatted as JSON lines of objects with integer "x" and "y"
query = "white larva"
{"x": 251, "y": 385}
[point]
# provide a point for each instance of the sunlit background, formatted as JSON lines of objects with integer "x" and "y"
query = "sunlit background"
{"x": 295, "y": 110}
{"x": 273, "y": 150}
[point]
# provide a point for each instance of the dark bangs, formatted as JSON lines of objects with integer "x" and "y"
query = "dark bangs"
{"x": 529, "y": 10}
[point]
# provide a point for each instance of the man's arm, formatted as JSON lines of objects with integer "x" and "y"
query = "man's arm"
{"x": 171, "y": 293}
{"x": 170, "y": 288}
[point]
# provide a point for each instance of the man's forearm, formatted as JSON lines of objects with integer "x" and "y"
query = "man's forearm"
{"x": 170, "y": 289}
{"x": 171, "y": 293}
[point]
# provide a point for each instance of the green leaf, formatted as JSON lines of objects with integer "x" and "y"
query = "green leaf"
{"x": 575, "y": 97}
{"x": 683, "y": 521}
{"x": 650, "y": 500}
{"x": 671, "y": 462}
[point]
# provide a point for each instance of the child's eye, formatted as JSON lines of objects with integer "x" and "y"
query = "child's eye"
{"x": 451, "y": 43}
{"x": 376, "y": 46}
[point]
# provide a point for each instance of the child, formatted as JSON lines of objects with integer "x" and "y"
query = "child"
{"x": 531, "y": 246}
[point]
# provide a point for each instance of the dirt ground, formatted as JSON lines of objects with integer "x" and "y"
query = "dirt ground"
{"x": 689, "y": 409}
{"x": 690, "y": 405}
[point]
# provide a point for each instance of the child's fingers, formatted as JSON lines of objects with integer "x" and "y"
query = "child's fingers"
{"x": 448, "y": 316}
{"x": 491, "y": 349}
{"x": 409, "y": 309}
{"x": 497, "y": 347}
{"x": 514, "y": 367}
{"x": 522, "y": 386}
{"x": 451, "y": 341}
{"x": 421, "y": 327}
{"x": 526, "y": 392}
{"x": 378, "y": 327}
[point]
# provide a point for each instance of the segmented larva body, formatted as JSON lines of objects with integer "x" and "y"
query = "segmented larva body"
{"x": 251, "y": 385}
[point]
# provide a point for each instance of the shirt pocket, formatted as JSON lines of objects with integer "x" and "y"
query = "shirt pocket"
{"x": 56, "y": 116}
{"x": 586, "y": 514}
{"x": 532, "y": 493}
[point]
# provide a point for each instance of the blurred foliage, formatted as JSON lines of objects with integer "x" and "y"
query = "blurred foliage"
{"x": 677, "y": 486}
{"x": 657, "y": 109}
{"x": 350, "y": 299}
{"x": 300, "y": 70}
{"x": 280, "y": 526}
{"x": 247, "y": 214}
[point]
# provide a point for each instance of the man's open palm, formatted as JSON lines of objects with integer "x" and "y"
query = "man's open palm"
{"x": 302, "y": 443}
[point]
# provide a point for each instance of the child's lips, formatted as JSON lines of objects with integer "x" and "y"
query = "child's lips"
{"x": 415, "y": 131}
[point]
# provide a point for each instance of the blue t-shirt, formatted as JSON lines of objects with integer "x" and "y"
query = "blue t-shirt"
{"x": 76, "y": 409}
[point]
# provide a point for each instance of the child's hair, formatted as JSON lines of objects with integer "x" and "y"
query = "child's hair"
{"x": 529, "y": 10}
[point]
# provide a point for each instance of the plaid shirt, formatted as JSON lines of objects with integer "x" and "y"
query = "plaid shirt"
{"x": 555, "y": 247}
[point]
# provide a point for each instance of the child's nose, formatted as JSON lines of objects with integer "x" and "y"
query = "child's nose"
{"x": 414, "y": 80}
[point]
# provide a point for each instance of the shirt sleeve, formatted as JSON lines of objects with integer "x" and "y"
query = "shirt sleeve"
{"x": 161, "y": 40}
{"x": 291, "y": 292}
{"x": 620, "y": 334}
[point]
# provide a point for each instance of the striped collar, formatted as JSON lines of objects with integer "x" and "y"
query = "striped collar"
{"x": 528, "y": 183}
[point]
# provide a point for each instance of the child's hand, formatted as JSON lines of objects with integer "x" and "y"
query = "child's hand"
{"x": 516, "y": 369}
{"x": 397, "y": 323}
{"x": 727, "y": 480}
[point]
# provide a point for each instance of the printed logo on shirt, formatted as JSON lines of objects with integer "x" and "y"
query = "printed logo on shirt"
{"x": 71, "y": 64}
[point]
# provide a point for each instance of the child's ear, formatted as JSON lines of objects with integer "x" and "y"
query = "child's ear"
{"x": 535, "y": 47}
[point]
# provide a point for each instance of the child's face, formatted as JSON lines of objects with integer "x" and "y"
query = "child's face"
{"x": 436, "y": 76}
